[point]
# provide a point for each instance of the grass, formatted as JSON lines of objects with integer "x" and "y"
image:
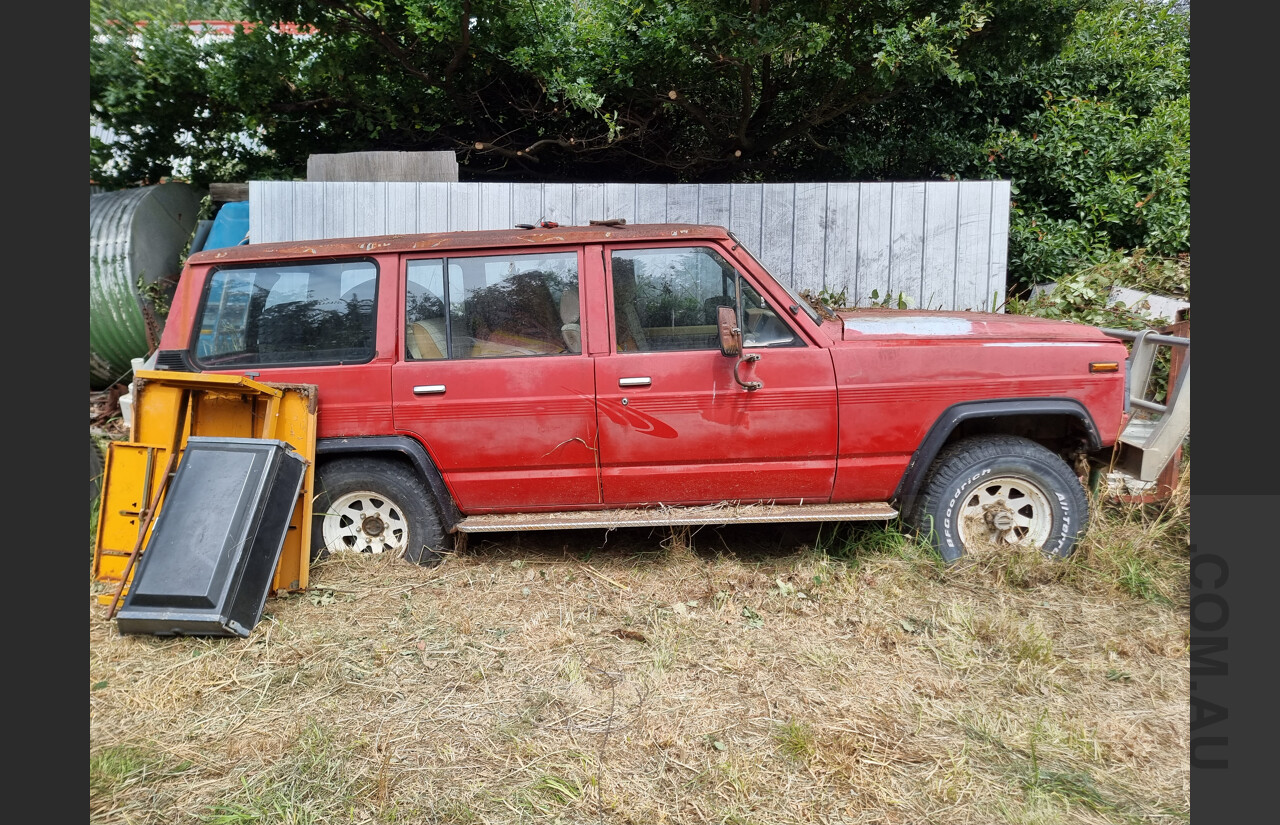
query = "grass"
{"x": 750, "y": 674}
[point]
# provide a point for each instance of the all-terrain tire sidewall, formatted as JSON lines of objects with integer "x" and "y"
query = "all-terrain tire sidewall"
{"x": 961, "y": 468}
{"x": 392, "y": 481}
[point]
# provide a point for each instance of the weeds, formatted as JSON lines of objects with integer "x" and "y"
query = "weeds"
{"x": 661, "y": 684}
{"x": 795, "y": 740}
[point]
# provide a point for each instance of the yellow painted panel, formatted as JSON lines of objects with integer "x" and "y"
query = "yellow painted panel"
{"x": 169, "y": 408}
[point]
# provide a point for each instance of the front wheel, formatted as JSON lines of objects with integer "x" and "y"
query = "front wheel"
{"x": 366, "y": 505}
{"x": 1000, "y": 491}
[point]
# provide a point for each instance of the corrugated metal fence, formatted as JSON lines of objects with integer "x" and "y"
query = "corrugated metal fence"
{"x": 940, "y": 244}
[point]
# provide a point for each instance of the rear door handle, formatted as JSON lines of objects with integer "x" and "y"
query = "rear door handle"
{"x": 428, "y": 389}
{"x": 638, "y": 381}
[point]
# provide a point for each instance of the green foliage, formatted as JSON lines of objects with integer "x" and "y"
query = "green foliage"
{"x": 854, "y": 542}
{"x": 903, "y": 301}
{"x": 548, "y": 89}
{"x": 1084, "y": 105}
{"x": 1084, "y": 296}
{"x": 1102, "y": 162}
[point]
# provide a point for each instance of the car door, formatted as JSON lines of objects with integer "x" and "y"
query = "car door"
{"x": 676, "y": 426}
{"x": 493, "y": 381}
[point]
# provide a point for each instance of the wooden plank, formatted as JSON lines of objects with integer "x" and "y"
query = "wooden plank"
{"x": 433, "y": 207}
{"x": 875, "y": 211}
{"x": 383, "y": 166}
{"x": 526, "y": 203}
{"x": 339, "y": 209}
{"x": 221, "y": 193}
{"x": 620, "y": 201}
{"x": 274, "y": 221}
{"x": 495, "y": 206}
{"x": 841, "y": 242}
{"x": 682, "y": 203}
{"x": 402, "y": 207}
{"x": 308, "y": 211}
{"x": 906, "y": 243}
{"x": 588, "y": 203}
{"x": 999, "y": 255}
{"x": 808, "y": 254}
{"x": 464, "y": 206}
{"x": 557, "y": 202}
{"x": 843, "y": 235}
{"x": 651, "y": 203}
{"x": 777, "y": 219}
{"x": 973, "y": 247}
{"x": 370, "y": 214}
{"x": 746, "y": 205}
{"x": 938, "y": 256}
{"x": 713, "y": 204}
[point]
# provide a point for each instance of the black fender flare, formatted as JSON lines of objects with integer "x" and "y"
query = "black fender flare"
{"x": 922, "y": 459}
{"x": 411, "y": 449}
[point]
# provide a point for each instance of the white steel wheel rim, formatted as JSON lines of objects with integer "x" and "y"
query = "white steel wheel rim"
{"x": 1005, "y": 511}
{"x": 364, "y": 522}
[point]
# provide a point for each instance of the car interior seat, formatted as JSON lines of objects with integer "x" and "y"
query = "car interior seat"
{"x": 570, "y": 315}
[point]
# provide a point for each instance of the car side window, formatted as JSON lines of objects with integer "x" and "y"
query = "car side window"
{"x": 666, "y": 299}
{"x": 296, "y": 313}
{"x": 492, "y": 306}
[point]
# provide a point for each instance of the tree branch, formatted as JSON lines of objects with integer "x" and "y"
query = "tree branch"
{"x": 375, "y": 31}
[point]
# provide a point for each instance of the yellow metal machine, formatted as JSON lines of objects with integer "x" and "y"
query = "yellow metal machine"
{"x": 170, "y": 407}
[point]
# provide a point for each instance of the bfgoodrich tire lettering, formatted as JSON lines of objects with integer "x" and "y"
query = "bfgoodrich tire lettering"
{"x": 1000, "y": 491}
{"x": 368, "y": 505}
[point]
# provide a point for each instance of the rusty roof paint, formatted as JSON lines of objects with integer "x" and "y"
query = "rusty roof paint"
{"x": 473, "y": 239}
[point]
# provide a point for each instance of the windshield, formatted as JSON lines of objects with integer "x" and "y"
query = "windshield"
{"x": 796, "y": 300}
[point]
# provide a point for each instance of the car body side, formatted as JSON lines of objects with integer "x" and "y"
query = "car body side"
{"x": 854, "y": 410}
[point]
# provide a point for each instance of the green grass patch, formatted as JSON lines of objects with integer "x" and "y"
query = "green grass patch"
{"x": 316, "y": 781}
{"x": 795, "y": 740}
{"x": 113, "y": 768}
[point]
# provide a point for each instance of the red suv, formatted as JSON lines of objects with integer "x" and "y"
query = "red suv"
{"x": 615, "y": 375}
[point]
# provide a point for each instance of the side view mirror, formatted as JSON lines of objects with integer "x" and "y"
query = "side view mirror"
{"x": 730, "y": 334}
{"x": 731, "y": 345}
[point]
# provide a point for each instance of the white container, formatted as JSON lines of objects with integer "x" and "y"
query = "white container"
{"x": 126, "y": 400}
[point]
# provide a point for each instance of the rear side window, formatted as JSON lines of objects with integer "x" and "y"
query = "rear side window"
{"x": 492, "y": 306}
{"x": 315, "y": 312}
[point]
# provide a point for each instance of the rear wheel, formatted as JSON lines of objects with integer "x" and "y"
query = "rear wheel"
{"x": 367, "y": 505}
{"x": 1000, "y": 492}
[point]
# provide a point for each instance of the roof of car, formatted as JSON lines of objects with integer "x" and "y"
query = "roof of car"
{"x": 475, "y": 239}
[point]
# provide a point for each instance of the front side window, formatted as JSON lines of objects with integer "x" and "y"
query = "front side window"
{"x": 666, "y": 299}
{"x": 492, "y": 306}
{"x": 295, "y": 313}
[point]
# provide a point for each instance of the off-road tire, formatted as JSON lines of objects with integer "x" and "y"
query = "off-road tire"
{"x": 1000, "y": 490}
{"x": 370, "y": 505}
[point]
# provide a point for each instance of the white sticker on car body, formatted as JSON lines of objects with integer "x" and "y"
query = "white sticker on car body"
{"x": 909, "y": 325}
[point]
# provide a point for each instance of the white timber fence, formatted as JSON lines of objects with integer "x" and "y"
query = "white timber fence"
{"x": 936, "y": 244}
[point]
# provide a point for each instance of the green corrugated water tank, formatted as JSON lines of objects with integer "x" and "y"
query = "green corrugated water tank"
{"x": 136, "y": 240}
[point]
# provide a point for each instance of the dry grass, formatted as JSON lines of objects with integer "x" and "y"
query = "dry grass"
{"x": 741, "y": 675}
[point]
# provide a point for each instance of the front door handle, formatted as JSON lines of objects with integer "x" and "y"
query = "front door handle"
{"x": 428, "y": 389}
{"x": 638, "y": 381}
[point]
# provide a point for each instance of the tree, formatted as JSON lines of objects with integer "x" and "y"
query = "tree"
{"x": 549, "y": 89}
{"x": 1102, "y": 164}
{"x": 1083, "y": 104}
